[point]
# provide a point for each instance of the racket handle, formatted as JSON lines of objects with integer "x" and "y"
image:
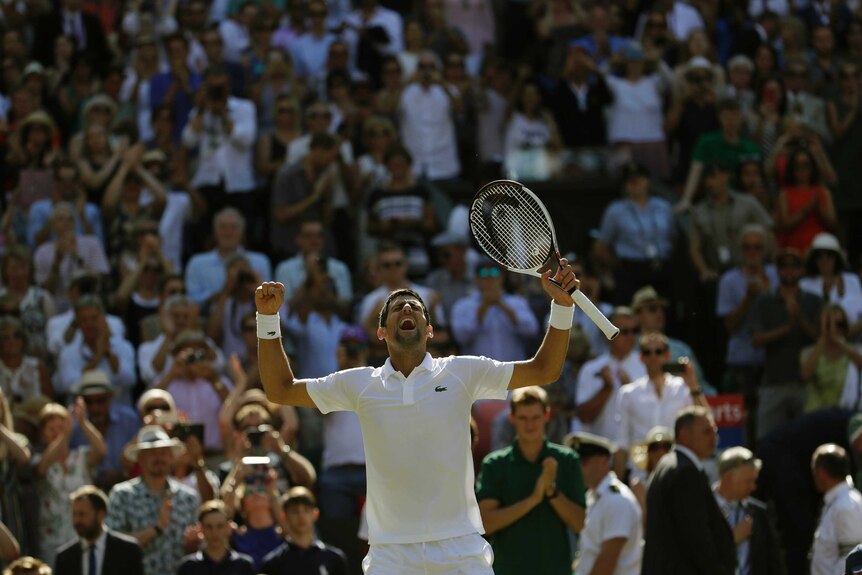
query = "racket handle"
{"x": 582, "y": 301}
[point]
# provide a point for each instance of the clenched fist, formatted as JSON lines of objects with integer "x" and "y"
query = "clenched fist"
{"x": 268, "y": 297}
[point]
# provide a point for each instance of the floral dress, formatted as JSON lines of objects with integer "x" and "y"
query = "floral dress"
{"x": 55, "y": 513}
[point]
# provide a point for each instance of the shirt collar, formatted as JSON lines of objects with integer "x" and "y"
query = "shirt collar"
{"x": 836, "y": 492}
{"x": 516, "y": 451}
{"x": 389, "y": 371}
{"x": 605, "y": 485}
{"x": 690, "y": 454}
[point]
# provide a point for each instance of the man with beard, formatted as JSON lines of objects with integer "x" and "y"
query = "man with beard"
{"x": 97, "y": 550}
{"x": 414, "y": 412}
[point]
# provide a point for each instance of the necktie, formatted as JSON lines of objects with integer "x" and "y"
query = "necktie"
{"x": 91, "y": 570}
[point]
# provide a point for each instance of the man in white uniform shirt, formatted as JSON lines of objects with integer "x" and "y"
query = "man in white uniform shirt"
{"x": 840, "y": 527}
{"x": 601, "y": 378}
{"x": 653, "y": 399}
{"x": 415, "y": 414}
{"x": 611, "y": 540}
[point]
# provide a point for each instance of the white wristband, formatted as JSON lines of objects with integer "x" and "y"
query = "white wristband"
{"x": 268, "y": 326}
{"x": 561, "y": 316}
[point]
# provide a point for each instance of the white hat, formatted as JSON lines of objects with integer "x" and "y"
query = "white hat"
{"x": 154, "y": 437}
{"x": 825, "y": 242}
{"x": 94, "y": 382}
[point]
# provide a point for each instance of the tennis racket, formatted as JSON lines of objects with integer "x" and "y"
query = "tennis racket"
{"x": 514, "y": 228}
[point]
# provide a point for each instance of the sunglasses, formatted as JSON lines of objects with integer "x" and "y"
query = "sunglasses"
{"x": 629, "y": 331}
{"x": 392, "y": 264}
{"x": 659, "y": 446}
{"x": 151, "y": 407}
{"x": 656, "y": 351}
{"x": 490, "y": 273}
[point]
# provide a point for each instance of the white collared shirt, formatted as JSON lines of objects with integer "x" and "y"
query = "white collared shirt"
{"x": 640, "y": 408}
{"x": 100, "y": 544}
{"x": 417, "y": 441}
{"x": 840, "y": 529}
{"x": 428, "y": 131}
{"x": 612, "y": 512}
{"x": 590, "y": 383}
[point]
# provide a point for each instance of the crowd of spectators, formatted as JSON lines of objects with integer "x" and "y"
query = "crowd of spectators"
{"x": 161, "y": 159}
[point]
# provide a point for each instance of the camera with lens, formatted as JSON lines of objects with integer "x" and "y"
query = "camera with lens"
{"x": 255, "y": 434}
{"x": 196, "y": 356}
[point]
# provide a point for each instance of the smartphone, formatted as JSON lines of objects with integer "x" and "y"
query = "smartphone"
{"x": 255, "y": 434}
{"x": 257, "y": 474}
{"x": 673, "y": 368}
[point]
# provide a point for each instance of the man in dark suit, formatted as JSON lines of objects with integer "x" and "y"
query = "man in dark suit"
{"x": 579, "y": 101}
{"x": 686, "y": 532}
{"x": 757, "y": 550}
{"x": 96, "y": 551}
{"x": 70, "y": 20}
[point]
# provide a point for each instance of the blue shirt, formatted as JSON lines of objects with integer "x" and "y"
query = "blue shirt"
{"x": 588, "y": 42}
{"x": 73, "y": 358}
{"x": 256, "y": 543}
{"x": 637, "y": 233}
{"x": 731, "y": 291}
{"x": 205, "y": 273}
{"x": 123, "y": 426}
{"x": 40, "y": 213}
{"x": 310, "y": 54}
{"x": 183, "y": 102}
{"x": 496, "y": 336}
{"x": 316, "y": 343}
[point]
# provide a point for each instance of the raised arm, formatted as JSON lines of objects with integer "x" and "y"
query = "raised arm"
{"x": 546, "y": 366}
{"x": 275, "y": 374}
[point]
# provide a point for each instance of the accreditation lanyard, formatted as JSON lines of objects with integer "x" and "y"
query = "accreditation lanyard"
{"x": 650, "y": 240}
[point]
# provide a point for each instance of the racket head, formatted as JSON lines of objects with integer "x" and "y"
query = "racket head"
{"x": 513, "y": 227}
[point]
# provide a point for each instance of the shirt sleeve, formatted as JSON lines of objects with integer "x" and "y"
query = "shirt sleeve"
{"x": 489, "y": 484}
{"x": 726, "y": 300}
{"x": 619, "y": 518}
{"x": 486, "y": 378}
{"x": 573, "y": 486}
{"x": 609, "y": 227}
{"x": 335, "y": 392}
{"x": 589, "y": 383}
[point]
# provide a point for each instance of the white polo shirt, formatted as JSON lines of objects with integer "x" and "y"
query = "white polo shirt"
{"x": 417, "y": 441}
{"x": 640, "y": 408}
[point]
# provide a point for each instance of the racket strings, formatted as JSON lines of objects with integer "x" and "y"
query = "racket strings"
{"x": 512, "y": 227}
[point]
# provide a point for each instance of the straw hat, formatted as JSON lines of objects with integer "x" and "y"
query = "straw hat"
{"x": 154, "y": 437}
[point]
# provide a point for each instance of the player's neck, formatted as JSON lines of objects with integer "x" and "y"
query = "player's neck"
{"x": 406, "y": 360}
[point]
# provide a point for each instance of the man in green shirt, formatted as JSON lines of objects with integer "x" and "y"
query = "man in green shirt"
{"x": 531, "y": 493}
{"x": 725, "y": 147}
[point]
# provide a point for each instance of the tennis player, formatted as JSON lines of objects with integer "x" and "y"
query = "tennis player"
{"x": 415, "y": 412}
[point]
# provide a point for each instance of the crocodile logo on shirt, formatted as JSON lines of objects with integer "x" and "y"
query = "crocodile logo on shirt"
{"x": 440, "y": 388}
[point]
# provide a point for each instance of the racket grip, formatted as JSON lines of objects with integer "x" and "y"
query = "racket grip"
{"x": 582, "y": 301}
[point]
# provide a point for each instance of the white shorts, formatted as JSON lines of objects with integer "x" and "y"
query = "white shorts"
{"x": 465, "y": 555}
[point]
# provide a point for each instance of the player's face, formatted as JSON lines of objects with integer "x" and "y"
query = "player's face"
{"x": 405, "y": 324}
{"x": 529, "y": 421}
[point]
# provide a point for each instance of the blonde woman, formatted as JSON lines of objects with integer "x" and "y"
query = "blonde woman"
{"x": 61, "y": 470}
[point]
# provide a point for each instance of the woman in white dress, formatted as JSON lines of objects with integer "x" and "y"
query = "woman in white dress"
{"x": 62, "y": 470}
{"x": 827, "y": 278}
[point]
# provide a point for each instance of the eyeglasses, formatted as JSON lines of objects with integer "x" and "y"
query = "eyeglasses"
{"x": 659, "y": 446}
{"x": 392, "y": 264}
{"x": 151, "y": 407}
{"x": 655, "y": 351}
{"x": 490, "y": 273}
{"x": 629, "y": 331}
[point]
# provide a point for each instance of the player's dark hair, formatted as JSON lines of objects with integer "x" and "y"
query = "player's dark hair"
{"x": 384, "y": 311}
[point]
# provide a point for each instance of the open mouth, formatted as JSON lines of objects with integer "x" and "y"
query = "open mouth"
{"x": 407, "y": 323}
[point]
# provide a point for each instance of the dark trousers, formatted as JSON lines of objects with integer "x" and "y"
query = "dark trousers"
{"x": 631, "y": 275}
